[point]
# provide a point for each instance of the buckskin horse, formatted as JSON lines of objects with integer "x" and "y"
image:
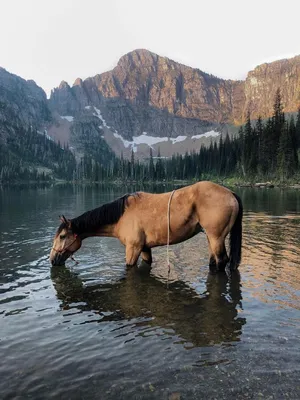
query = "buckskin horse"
{"x": 143, "y": 220}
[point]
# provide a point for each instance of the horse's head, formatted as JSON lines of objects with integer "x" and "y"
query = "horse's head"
{"x": 66, "y": 242}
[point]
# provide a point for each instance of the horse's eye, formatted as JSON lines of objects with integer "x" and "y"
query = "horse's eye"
{"x": 63, "y": 237}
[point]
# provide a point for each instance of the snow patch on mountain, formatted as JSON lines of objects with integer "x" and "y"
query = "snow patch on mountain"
{"x": 178, "y": 139}
{"x": 67, "y": 117}
{"x": 99, "y": 115}
{"x": 142, "y": 139}
{"x": 206, "y": 134}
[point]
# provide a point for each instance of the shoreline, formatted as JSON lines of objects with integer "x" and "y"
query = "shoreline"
{"x": 231, "y": 182}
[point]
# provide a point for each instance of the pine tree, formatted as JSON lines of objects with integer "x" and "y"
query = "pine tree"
{"x": 286, "y": 160}
{"x": 278, "y": 124}
{"x": 160, "y": 173}
{"x": 246, "y": 146}
{"x": 151, "y": 166}
{"x": 293, "y": 135}
{"x": 132, "y": 171}
{"x": 297, "y": 133}
{"x": 249, "y": 149}
{"x": 222, "y": 161}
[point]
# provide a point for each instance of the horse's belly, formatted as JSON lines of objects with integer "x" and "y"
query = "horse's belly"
{"x": 185, "y": 233}
{"x": 180, "y": 235}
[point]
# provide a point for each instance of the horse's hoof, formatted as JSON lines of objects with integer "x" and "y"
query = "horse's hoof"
{"x": 144, "y": 266}
{"x": 213, "y": 270}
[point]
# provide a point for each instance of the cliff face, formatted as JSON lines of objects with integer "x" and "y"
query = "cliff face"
{"x": 22, "y": 104}
{"x": 146, "y": 92}
{"x": 149, "y": 80}
{"x": 261, "y": 85}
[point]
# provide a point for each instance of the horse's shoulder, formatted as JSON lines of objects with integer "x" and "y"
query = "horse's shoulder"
{"x": 208, "y": 185}
{"x": 136, "y": 196}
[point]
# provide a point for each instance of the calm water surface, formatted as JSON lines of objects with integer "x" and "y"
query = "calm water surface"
{"x": 97, "y": 331}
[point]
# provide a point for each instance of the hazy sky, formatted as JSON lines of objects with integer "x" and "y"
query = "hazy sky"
{"x": 54, "y": 40}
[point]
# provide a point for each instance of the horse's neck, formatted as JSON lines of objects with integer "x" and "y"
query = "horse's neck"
{"x": 107, "y": 230}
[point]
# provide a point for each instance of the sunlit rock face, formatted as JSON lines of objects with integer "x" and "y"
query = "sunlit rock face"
{"x": 261, "y": 85}
{"x": 149, "y": 93}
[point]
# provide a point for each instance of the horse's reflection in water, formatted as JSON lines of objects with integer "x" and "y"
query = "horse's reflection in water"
{"x": 199, "y": 320}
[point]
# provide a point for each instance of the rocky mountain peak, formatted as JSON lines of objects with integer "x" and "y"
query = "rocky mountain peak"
{"x": 150, "y": 99}
{"x": 22, "y": 103}
{"x": 144, "y": 85}
{"x": 263, "y": 81}
{"x": 139, "y": 58}
{"x": 149, "y": 93}
{"x": 63, "y": 95}
{"x": 78, "y": 82}
{"x": 63, "y": 85}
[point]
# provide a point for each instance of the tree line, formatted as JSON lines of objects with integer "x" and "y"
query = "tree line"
{"x": 263, "y": 150}
{"x": 31, "y": 156}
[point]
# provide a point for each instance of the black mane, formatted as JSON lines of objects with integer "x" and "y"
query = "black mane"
{"x": 107, "y": 214}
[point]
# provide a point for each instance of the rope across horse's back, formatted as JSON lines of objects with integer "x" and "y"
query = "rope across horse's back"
{"x": 168, "y": 229}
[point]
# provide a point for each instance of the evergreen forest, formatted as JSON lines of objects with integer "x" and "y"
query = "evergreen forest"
{"x": 263, "y": 150}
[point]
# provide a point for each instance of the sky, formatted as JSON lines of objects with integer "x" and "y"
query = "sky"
{"x": 54, "y": 40}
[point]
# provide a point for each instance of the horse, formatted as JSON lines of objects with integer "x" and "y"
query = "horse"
{"x": 142, "y": 221}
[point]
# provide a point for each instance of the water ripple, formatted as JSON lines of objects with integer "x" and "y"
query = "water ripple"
{"x": 68, "y": 331}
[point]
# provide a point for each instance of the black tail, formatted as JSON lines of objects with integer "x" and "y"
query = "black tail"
{"x": 235, "y": 241}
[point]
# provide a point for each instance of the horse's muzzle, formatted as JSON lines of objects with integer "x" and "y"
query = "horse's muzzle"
{"x": 60, "y": 258}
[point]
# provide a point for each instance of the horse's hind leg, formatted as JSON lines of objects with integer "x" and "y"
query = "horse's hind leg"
{"x": 146, "y": 255}
{"x": 212, "y": 259}
{"x": 218, "y": 258}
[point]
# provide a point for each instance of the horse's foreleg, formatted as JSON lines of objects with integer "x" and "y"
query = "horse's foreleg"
{"x": 132, "y": 254}
{"x": 218, "y": 259}
{"x": 146, "y": 255}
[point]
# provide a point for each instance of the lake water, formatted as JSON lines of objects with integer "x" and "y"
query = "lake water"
{"x": 97, "y": 331}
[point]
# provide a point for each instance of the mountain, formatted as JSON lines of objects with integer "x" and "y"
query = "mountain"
{"x": 145, "y": 101}
{"x": 27, "y": 153}
{"x": 22, "y": 104}
{"x": 144, "y": 86}
{"x": 262, "y": 83}
{"x": 148, "y": 100}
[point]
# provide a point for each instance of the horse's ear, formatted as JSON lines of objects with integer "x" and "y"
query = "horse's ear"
{"x": 64, "y": 220}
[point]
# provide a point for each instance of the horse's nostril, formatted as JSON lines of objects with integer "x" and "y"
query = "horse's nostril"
{"x": 56, "y": 259}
